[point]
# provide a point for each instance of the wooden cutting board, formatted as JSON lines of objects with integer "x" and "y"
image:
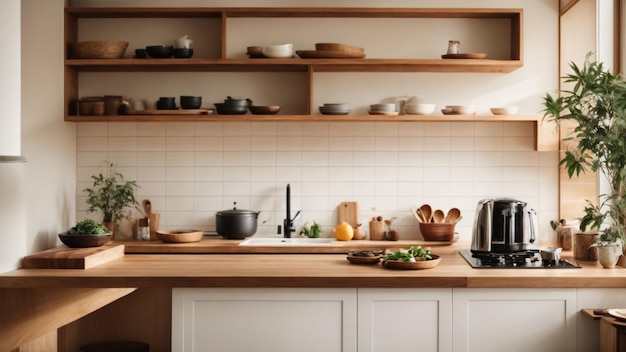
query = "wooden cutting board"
{"x": 73, "y": 258}
{"x": 349, "y": 212}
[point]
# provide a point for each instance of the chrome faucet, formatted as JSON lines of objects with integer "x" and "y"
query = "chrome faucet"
{"x": 288, "y": 223}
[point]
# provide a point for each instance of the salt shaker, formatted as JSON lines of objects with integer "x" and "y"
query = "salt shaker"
{"x": 453, "y": 46}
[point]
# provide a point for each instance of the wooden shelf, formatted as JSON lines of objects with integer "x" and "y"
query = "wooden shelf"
{"x": 512, "y": 22}
{"x": 257, "y": 12}
{"x": 294, "y": 65}
{"x": 543, "y": 141}
{"x": 300, "y": 118}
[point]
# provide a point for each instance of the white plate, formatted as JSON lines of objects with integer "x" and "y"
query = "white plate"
{"x": 617, "y": 312}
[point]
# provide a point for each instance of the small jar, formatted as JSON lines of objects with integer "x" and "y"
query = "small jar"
{"x": 453, "y": 47}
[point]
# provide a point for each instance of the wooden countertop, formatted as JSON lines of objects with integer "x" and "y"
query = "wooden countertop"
{"x": 304, "y": 270}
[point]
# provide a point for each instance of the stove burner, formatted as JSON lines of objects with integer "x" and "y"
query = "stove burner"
{"x": 523, "y": 259}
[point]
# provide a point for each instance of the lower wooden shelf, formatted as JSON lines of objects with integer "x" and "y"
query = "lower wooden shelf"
{"x": 300, "y": 118}
{"x": 546, "y": 135}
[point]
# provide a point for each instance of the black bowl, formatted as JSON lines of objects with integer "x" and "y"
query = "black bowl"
{"x": 83, "y": 241}
{"x": 183, "y": 53}
{"x": 190, "y": 102}
{"x": 160, "y": 51}
{"x": 140, "y": 53}
{"x": 228, "y": 109}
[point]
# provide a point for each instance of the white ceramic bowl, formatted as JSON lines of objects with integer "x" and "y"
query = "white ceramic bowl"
{"x": 462, "y": 109}
{"x": 278, "y": 51}
{"x": 509, "y": 110}
{"x": 419, "y": 109}
{"x": 383, "y": 107}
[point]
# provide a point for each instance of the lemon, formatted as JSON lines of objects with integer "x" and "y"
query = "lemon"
{"x": 344, "y": 232}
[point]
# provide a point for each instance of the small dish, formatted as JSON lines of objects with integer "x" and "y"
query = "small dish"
{"x": 355, "y": 259}
{"x": 418, "y": 265}
{"x": 619, "y": 313}
{"x": 462, "y": 109}
{"x": 510, "y": 110}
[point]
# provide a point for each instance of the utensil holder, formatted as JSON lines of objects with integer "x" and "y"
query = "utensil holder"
{"x": 377, "y": 230}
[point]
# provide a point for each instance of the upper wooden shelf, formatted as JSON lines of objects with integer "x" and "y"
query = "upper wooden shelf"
{"x": 339, "y": 12}
{"x": 295, "y": 65}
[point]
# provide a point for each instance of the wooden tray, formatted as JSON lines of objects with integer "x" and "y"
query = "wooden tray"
{"x": 423, "y": 264}
{"x": 330, "y": 54}
{"x": 171, "y": 112}
{"x": 337, "y": 47}
{"x": 465, "y": 56}
{"x": 73, "y": 258}
{"x": 184, "y": 236}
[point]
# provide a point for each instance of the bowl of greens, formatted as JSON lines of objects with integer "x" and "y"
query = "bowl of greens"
{"x": 86, "y": 233}
{"x": 414, "y": 258}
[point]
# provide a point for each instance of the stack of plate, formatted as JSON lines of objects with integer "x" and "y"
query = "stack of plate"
{"x": 335, "y": 109}
{"x": 383, "y": 109}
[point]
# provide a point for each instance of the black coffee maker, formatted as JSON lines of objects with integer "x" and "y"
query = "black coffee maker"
{"x": 503, "y": 226}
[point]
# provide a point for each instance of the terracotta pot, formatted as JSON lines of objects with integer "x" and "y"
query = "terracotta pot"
{"x": 111, "y": 226}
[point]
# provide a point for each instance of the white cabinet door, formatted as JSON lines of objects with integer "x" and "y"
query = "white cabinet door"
{"x": 263, "y": 319}
{"x": 405, "y": 320}
{"x": 512, "y": 320}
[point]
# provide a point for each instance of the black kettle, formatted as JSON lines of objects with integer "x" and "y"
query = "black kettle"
{"x": 503, "y": 226}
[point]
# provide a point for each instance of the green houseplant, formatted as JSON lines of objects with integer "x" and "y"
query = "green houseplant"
{"x": 110, "y": 194}
{"x": 596, "y": 103}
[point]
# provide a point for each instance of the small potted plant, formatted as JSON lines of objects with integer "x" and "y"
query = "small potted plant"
{"x": 312, "y": 231}
{"x": 86, "y": 233}
{"x": 596, "y": 103}
{"x": 110, "y": 194}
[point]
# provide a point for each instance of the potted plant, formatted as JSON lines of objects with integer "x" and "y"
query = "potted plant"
{"x": 86, "y": 233}
{"x": 597, "y": 104}
{"x": 110, "y": 194}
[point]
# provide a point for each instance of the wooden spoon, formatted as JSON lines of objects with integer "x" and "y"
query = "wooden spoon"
{"x": 427, "y": 212}
{"x": 438, "y": 216}
{"x": 417, "y": 214}
{"x": 453, "y": 216}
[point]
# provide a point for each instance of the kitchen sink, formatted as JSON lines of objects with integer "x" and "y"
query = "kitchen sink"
{"x": 280, "y": 241}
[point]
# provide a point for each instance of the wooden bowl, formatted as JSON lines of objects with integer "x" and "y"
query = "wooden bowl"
{"x": 100, "y": 49}
{"x": 418, "y": 265}
{"x": 84, "y": 241}
{"x": 437, "y": 231}
{"x": 264, "y": 110}
{"x": 179, "y": 236}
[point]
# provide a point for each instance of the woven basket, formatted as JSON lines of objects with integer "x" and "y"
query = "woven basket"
{"x": 100, "y": 49}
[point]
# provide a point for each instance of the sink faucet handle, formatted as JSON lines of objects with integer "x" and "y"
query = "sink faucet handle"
{"x": 295, "y": 216}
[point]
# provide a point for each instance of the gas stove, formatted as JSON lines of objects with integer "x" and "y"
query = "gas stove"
{"x": 528, "y": 259}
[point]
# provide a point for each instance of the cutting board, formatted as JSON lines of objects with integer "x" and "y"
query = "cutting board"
{"x": 349, "y": 212}
{"x": 73, "y": 258}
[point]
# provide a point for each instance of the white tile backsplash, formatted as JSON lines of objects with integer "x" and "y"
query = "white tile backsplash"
{"x": 192, "y": 170}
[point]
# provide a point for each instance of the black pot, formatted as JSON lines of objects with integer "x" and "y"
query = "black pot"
{"x": 236, "y": 224}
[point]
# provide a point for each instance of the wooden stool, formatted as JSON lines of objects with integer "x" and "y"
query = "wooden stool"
{"x": 612, "y": 330}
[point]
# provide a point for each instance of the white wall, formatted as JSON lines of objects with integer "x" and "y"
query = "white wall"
{"x": 192, "y": 170}
{"x": 37, "y": 198}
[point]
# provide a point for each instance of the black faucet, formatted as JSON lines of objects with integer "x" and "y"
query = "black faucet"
{"x": 288, "y": 223}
